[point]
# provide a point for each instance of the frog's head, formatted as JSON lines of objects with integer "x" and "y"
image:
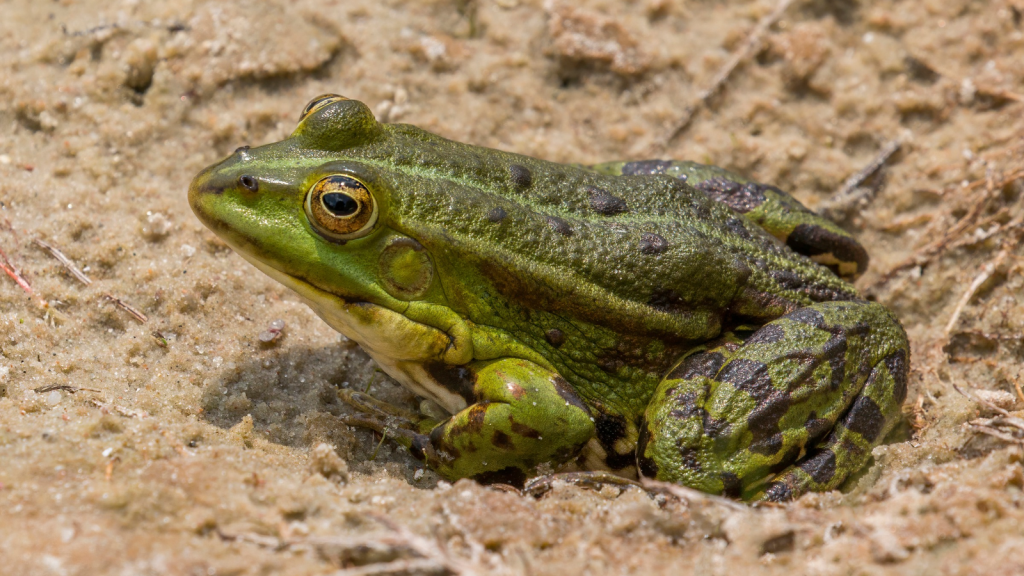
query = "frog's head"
{"x": 312, "y": 212}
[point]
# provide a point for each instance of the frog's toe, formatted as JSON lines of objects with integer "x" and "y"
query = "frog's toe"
{"x": 370, "y": 406}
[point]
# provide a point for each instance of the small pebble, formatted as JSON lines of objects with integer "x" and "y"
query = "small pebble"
{"x": 272, "y": 332}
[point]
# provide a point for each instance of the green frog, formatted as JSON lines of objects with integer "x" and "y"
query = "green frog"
{"x": 662, "y": 319}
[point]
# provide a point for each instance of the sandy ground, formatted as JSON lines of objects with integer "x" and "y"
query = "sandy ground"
{"x": 183, "y": 444}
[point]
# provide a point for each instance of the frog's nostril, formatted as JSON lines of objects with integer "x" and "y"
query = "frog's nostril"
{"x": 249, "y": 183}
{"x": 241, "y": 149}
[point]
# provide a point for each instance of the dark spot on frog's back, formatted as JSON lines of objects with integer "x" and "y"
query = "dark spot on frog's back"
{"x": 523, "y": 430}
{"x": 668, "y": 300}
{"x": 502, "y": 441}
{"x": 767, "y": 334}
{"x": 567, "y": 393}
{"x": 560, "y": 226}
{"x": 652, "y": 244}
{"x": 735, "y": 225}
{"x": 811, "y": 240}
{"x": 816, "y": 427}
{"x": 603, "y": 202}
{"x": 457, "y": 379}
{"x": 898, "y": 369}
{"x": 689, "y": 457}
{"x": 787, "y": 279}
{"x": 731, "y": 485}
{"x": 520, "y": 176}
{"x": 497, "y": 214}
{"x": 865, "y": 418}
{"x": 808, "y": 316}
{"x": 740, "y": 197}
{"x": 821, "y": 467}
{"x": 700, "y": 364}
{"x": 555, "y": 337}
{"x": 646, "y": 167}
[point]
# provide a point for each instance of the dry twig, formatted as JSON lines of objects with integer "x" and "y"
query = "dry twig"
{"x": 986, "y": 272}
{"x": 127, "y": 308}
{"x": 64, "y": 260}
{"x": 20, "y": 280}
{"x": 1002, "y": 427}
{"x": 63, "y": 387}
{"x": 749, "y": 47}
{"x": 13, "y": 272}
{"x": 690, "y": 495}
{"x": 952, "y": 235}
{"x": 850, "y": 193}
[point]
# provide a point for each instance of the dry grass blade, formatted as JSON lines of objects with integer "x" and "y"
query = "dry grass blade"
{"x": 996, "y": 433}
{"x": 126, "y": 412}
{"x": 127, "y": 308}
{"x": 982, "y": 401}
{"x": 691, "y": 495}
{"x": 849, "y": 195}
{"x": 1001, "y": 427}
{"x": 874, "y": 166}
{"x": 20, "y": 280}
{"x": 977, "y": 206}
{"x": 418, "y": 567}
{"x": 63, "y": 387}
{"x": 65, "y": 261}
{"x": 751, "y": 44}
{"x": 986, "y": 272}
{"x": 13, "y": 272}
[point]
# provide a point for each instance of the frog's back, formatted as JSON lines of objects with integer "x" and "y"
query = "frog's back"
{"x": 637, "y": 253}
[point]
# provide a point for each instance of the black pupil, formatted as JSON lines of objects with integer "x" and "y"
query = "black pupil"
{"x": 340, "y": 204}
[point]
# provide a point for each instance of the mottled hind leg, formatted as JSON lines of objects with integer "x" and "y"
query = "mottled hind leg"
{"x": 848, "y": 446}
{"x": 798, "y": 406}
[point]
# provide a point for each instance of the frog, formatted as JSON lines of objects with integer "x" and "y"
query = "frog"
{"x": 650, "y": 319}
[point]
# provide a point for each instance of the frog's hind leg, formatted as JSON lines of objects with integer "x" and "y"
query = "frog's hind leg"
{"x": 797, "y": 407}
{"x": 777, "y": 212}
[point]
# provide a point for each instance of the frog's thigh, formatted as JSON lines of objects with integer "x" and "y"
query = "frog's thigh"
{"x": 797, "y": 407}
{"x": 524, "y": 415}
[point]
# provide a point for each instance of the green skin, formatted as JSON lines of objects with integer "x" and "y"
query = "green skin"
{"x": 667, "y": 319}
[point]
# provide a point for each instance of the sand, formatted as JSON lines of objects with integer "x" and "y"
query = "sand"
{"x": 182, "y": 443}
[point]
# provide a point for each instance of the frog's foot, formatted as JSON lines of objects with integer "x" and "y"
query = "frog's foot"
{"x": 798, "y": 407}
{"x": 369, "y": 405}
{"x": 523, "y": 415}
{"x": 593, "y": 479}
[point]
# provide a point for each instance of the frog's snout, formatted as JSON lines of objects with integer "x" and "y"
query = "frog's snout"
{"x": 204, "y": 191}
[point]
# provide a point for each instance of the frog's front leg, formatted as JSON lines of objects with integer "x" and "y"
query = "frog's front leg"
{"x": 523, "y": 415}
{"x": 797, "y": 407}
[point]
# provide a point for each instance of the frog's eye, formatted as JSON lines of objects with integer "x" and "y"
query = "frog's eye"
{"x": 341, "y": 208}
{"x": 318, "y": 103}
